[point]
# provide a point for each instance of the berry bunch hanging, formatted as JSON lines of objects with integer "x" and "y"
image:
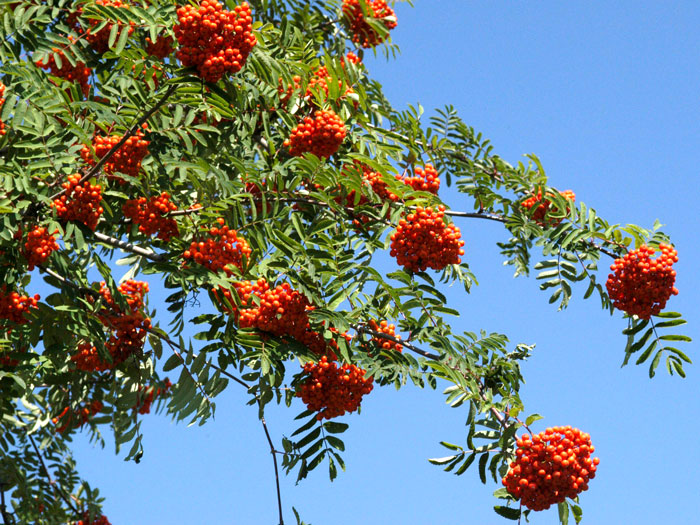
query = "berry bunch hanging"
{"x": 423, "y": 240}
{"x": 333, "y": 390}
{"x": 78, "y": 417}
{"x": 80, "y": 202}
{"x": 222, "y": 249}
{"x": 88, "y": 359}
{"x": 150, "y": 215}
{"x": 39, "y": 246}
{"x": 362, "y": 32}
{"x": 147, "y": 395}
{"x": 98, "y": 520}
{"x": 543, "y": 208}
{"x": 161, "y": 48}
{"x": 383, "y": 327}
{"x": 127, "y": 159}
{"x": 641, "y": 286}
{"x": 321, "y": 135}
{"x": 319, "y": 82}
{"x": 214, "y": 40}
{"x": 554, "y": 465}
{"x": 79, "y": 72}
{"x": 424, "y": 179}
{"x": 14, "y": 307}
{"x": 99, "y": 38}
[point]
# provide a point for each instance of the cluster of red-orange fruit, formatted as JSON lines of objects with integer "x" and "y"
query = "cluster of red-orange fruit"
{"x": 71, "y": 418}
{"x": 214, "y": 40}
{"x": 362, "y": 33}
{"x": 2, "y": 102}
{"x": 383, "y": 327}
{"x": 88, "y": 359}
{"x": 147, "y": 395}
{"x": 321, "y": 135}
{"x": 39, "y": 246}
{"x": 222, "y": 249}
{"x": 98, "y": 520}
{"x": 79, "y": 202}
{"x": 127, "y": 159}
{"x": 551, "y": 466}
{"x": 332, "y": 390}
{"x": 151, "y": 215}
{"x": 543, "y": 208}
{"x": 641, "y": 286}
{"x": 99, "y": 38}
{"x": 14, "y": 306}
{"x": 161, "y": 48}
{"x": 423, "y": 240}
{"x": 424, "y": 179}
{"x": 79, "y": 72}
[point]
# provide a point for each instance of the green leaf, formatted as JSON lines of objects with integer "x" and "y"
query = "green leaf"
{"x": 507, "y": 512}
{"x": 563, "y": 508}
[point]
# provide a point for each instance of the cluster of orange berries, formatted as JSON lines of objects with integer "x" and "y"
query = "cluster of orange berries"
{"x": 101, "y": 520}
{"x": 88, "y": 359}
{"x": 423, "y": 240}
{"x": 127, "y": 159}
{"x": 553, "y": 465}
{"x": 70, "y": 418}
{"x": 362, "y": 32}
{"x": 223, "y": 248}
{"x": 425, "y": 179}
{"x": 641, "y": 286}
{"x": 150, "y": 215}
{"x": 80, "y": 202}
{"x": 99, "y": 38}
{"x": 14, "y": 306}
{"x": 384, "y": 327}
{"x": 161, "y": 48}
{"x": 321, "y": 135}
{"x": 214, "y": 40}
{"x": 147, "y": 395}
{"x": 333, "y": 390}
{"x": 39, "y": 246}
{"x": 542, "y": 207}
{"x": 2, "y": 102}
{"x": 79, "y": 72}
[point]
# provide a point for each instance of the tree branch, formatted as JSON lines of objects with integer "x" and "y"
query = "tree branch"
{"x": 52, "y": 482}
{"x": 277, "y": 476}
{"x": 128, "y": 247}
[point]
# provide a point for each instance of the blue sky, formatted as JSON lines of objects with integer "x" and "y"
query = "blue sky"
{"x": 606, "y": 94}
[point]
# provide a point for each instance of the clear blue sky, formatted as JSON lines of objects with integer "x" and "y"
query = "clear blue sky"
{"x": 607, "y": 94}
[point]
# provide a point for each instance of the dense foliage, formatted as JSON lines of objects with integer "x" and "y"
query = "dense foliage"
{"x": 242, "y": 155}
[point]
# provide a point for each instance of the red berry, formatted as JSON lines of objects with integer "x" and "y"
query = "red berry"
{"x": 80, "y": 202}
{"x": 321, "y": 135}
{"x": 150, "y": 215}
{"x": 362, "y": 32}
{"x": 543, "y": 207}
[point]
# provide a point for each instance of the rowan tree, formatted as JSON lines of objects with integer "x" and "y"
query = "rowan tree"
{"x": 244, "y": 156}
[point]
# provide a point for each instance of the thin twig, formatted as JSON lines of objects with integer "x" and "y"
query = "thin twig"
{"x": 52, "y": 482}
{"x": 128, "y": 247}
{"x": 277, "y": 477}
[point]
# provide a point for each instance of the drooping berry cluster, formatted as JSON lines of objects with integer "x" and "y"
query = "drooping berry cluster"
{"x": 321, "y": 135}
{"x": 127, "y": 159}
{"x": 14, "y": 307}
{"x": 80, "y": 202}
{"x": 98, "y": 520}
{"x": 88, "y": 359}
{"x": 39, "y": 246}
{"x": 553, "y": 465}
{"x": 150, "y": 215}
{"x": 333, "y": 390}
{"x": 543, "y": 208}
{"x": 641, "y": 286}
{"x": 222, "y": 249}
{"x": 2, "y": 102}
{"x": 214, "y": 40}
{"x": 425, "y": 179}
{"x": 384, "y": 327}
{"x": 148, "y": 394}
{"x": 76, "y": 418}
{"x": 319, "y": 82}
{"x": 99, "y": 38}
{"x": 423, "y": 240}
{"x": 79, "y": 72}
{"x": 161, "y": 48}
{"x": 362, "y": 32}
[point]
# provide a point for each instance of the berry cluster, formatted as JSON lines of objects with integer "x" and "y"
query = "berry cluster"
{"x": 161, "y": 48}
{"x": 542, "y": 208}
{"x": 641, "y": 286}
{"x": 99, "y": 520}
{"x": 79, "y": 72}
{"x": 333, "y": 390}
{"x": 214, "y": 40}
{"x": 425, "y": 179}
{"x": 321, "y": 346}
{"x": 99, "y": 38}
{"x": 423, "y": 240}
{"x": 223, "y": 248}
{"x": 147, "y": 395}
{"x": 286, "y": 94}
{"x": 2, "y": 102}
{"x": 384, "y": 327}
{"x": 39, "y": 246}
{"x": 553, "y": 465}
{"x": 362, "y": 32}
{"x": 319, "y": 82}
{"x": 150, "y": 215}
{"x": 78, "y": 417}
{"x": 321, "y": 135}
{"x": 87, "y": 359}
{"x": 127, "y": 159}
{"x": 80, "y": 202}
{"x": 14, "y": 306}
